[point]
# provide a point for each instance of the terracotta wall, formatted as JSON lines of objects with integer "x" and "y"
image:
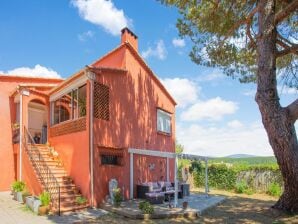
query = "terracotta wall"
{"x": 8, "y": 85}
{"x": 134, "y": 99}
{"x": 73, "y": 149}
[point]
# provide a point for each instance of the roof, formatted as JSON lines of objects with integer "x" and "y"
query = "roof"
{"x": 114, "y": 69}
{"x": 81, "y": 72}
{"x": 141, "y": 61}
{"x": 5, "y": 77}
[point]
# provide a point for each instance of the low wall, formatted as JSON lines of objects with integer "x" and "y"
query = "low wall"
{"x": 260, "y": 180}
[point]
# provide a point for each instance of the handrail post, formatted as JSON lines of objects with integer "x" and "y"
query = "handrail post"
{"x": 59, "y": 200}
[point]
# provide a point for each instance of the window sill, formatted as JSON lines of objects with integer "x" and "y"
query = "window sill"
{"x": 164, "y": 133}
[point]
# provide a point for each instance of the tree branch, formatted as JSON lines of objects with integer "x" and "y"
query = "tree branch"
{"x": 282, "y": 44}
{"x": 289, "y": 50}
{"x": 293, "y": 110}
{"x": 242, "y": 21}
{"x": 282, "y": 14}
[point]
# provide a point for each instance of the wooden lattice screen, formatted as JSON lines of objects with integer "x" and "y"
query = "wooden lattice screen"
{"x": 101, "y": 101}
{"x": 68, "y": 127}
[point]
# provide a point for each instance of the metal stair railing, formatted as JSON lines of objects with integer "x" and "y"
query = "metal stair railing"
{"x": 46, "y": 177}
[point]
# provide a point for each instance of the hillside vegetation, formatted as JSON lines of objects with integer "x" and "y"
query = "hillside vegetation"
{"x": 251, "y": 161}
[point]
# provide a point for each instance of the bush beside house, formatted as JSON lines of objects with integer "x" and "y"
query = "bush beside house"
{"x": 242, "y": 178}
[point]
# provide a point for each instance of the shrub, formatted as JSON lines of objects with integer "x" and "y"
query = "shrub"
{"x": 18, "y": 186}
{"x": 81, "y": 200}
{"x": 221, "y": 176}
{"x": 274, "y": 189}
{"x": 45, "y": 198}
{"x": 241, "y": 187}
{"x": 146, "y": 207}
{"x": 117, "y": 196}
{"x": 195, "y": 166}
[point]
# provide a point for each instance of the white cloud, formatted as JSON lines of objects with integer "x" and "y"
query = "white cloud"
{"x": 235, "y": 124}
{"x": 104, "y": 14}
{"x": 249, "y": 92}
{"x": 178, "y": 42}
{"x": 183, "y": 90}
{"x": 86, "y": 35}
{"x": 215, "y": 75}
{"x": 210, "y": 141}
{"x": 158, "y": 51}
{"x": 213, "y": 109}
{"x": 37, "y": 71}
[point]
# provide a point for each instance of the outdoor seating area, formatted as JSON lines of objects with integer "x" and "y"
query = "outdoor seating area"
{"x": 197, "y": 204}
{"x": 158, "y": 192}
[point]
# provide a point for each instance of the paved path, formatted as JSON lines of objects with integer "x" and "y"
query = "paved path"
{"x": 12, "y": 212}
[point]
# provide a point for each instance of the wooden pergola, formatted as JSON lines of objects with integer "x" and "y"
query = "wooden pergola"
{"x": 167, "y": 155}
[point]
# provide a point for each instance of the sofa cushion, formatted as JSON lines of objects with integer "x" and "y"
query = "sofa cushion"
{"x": 170, "y": 188}
{"x": 164, "y": 184}
{"x": 153, "y": 186}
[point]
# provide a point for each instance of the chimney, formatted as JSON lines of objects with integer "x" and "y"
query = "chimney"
{"x": 128, "y": 36}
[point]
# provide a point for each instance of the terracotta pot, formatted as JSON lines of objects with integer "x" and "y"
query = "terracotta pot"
{"x": 43, "y": 210}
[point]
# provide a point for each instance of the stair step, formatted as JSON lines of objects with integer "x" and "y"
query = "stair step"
{"x": 70, "y": 208}
{"x": 68, "y": 190}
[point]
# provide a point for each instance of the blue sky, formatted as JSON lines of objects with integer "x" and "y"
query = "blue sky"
{"x": 216, "y": 115}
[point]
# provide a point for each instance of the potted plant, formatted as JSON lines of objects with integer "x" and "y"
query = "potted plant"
{"x": 45, "y": 199}
{"x": 81, "y": 200}
{"x": 117, "y": 197}
{"x": 17, "y": 188}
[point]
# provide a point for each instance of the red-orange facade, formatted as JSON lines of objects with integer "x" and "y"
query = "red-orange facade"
{"x": 117, "y": 110}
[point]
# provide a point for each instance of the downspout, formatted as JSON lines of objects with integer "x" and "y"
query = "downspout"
{"x": 91, "y": 78}
{"x": 21, "y": 134}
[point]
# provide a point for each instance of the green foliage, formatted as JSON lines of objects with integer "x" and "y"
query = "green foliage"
{"x": 45, "y": 198}
{"x": 258, "y": 160}
{"x": 222, "y": 177}
{"x": 18, "y": 186}
{"x": 241, "y": 187}
{"x": 81, "y": 200}
{"x": 274, "y": 190}
{"x": 195, "y": 166}
{"x": 117, "y": 196}
{"x": 179, "y": 148}
{"x": 146, "y": 207}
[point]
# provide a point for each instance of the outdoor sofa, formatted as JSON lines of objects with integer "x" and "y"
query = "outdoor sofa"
{"x": 155, "y": 192}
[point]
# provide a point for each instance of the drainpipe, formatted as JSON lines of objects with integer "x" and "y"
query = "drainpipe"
{"x": 91, "y": 77}
{"x": 21, "y": 135}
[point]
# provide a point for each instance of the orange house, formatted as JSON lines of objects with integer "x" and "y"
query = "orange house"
{"x": 81, "y": 128}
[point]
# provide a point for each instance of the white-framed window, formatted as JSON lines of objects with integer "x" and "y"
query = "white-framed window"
{"x": 70, "y": 106}
{"x": 163, "y": 121}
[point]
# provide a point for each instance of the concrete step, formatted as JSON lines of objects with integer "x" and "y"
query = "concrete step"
{"x": 74, "y": 207}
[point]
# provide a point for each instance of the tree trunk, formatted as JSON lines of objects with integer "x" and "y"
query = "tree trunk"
{"x": 277, "y": 120}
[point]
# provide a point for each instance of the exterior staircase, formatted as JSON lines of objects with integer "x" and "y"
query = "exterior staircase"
{"x": 53, "y": 178}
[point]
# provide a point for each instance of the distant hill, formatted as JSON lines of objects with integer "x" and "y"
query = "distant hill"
{"x": 237, "y": 156}
{"x": 256, "y": 160}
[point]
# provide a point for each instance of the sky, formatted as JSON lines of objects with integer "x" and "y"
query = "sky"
{"x": 215, "y": 116}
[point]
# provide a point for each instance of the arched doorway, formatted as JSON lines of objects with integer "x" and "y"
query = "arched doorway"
{"x": 37, "y": 121}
